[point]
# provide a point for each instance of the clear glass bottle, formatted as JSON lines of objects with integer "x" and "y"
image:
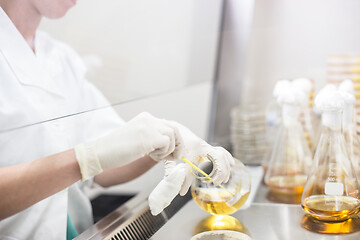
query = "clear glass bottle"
{"x": 291, "y": 157}
{"x": 331, "y": 192}
{"x": 220, "y": 200}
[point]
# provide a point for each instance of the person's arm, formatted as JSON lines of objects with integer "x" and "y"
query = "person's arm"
{"x": 111, "y": 177}
{"x": 26, "y": 184}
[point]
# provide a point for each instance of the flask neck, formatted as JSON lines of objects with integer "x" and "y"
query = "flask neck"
{"x": 331, "y": 132}
{"x": 290, "y": 114}
{"x": 332, "y": 121}
{"x": 348, "y": 117}
{"x": 332, "y": 136}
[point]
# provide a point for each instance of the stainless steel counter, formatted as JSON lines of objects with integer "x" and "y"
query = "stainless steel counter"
{"x": 263, "y": 220}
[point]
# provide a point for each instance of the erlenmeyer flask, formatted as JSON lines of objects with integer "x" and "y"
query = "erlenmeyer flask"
{"x": 352, "y": 141}
{"x": 331, "y": 192}
{"x": 220, "y": 200}
{"x": 327, "y": 88}
{"x": 273, "y": 120}
{"x": 352, "y": 144}
{"x": 307, "y": 116}
{"x": 291, "y": 156}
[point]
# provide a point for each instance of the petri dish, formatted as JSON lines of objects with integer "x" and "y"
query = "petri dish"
{"x": 221, "y": 235}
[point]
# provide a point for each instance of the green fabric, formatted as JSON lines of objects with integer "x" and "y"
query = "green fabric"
{"x": 70, "y": 229}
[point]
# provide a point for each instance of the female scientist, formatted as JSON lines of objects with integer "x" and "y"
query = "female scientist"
{"x": 40, "y": 189}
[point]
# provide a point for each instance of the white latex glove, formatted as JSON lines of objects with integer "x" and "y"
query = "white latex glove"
{"x": 167, "y": 189}
{"x": 193, "y": 148}
{"x": 143, "y": 135}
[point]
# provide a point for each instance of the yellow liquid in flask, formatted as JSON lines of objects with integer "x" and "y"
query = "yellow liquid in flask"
{"x": 216, "y": 201}
{"x": 331, "y": 208}
{"x": 287, "y": 184}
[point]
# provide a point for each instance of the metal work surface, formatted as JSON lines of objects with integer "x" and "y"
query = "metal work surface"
{"x": 133, "y": 220}
{"x": 264, "y": 221}
{"x": 264, "y": 195}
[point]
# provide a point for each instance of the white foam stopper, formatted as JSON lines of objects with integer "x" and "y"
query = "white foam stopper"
{"x": 331, "y": 104}
{"x": 280, "y": 87}
{"x": 348, "y": 112}
{"x": 326, "y": 88}
{"x": 304, "y": 84}
{"x": 291, "y": 95}
{"x": 347, "y": 86}
{"x": 290, "y": 98}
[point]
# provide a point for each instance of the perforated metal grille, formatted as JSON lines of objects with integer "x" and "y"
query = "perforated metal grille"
{"x": 143, "y": 225}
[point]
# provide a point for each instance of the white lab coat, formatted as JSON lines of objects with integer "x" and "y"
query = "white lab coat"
{"x": 35, "y": 88}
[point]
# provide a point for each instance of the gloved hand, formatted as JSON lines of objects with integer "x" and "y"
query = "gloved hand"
{"x": 167, "y": 189}
{"x": 143, "y": 135}
{"x": 194, "y": 147}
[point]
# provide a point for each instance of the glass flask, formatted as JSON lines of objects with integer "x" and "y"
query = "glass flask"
{"x": 332, "y": 191}
{"x": 351, "y": 225}
{"x": 291, "y": 157}
{"x": 307, "y": 116}
{"x": 273, "y": 120}
{"x": 220, "y": 200}
{"x": 352, "y": 141}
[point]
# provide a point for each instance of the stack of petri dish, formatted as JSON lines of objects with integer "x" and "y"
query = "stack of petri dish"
{"x": 346, "y": 66}
{"x": 248, "y": 133}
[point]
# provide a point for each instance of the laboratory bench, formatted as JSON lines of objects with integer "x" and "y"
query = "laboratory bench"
{"x": 260, "y": 218}
{"x": 262, "y": 221}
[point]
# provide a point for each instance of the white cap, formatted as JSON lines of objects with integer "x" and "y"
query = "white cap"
{"x": 290, "y": 99}
{"x": 327, "y": 88}
{"x": 280, "y": 87}
{"x": 347, "y": 86}
{"x": 349, "y": 100}
{"x": 330, "y": 101}
{"x": 291, "y": 95}
{"x": 304, "y": 84}
{"x": 331, "y": 104}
